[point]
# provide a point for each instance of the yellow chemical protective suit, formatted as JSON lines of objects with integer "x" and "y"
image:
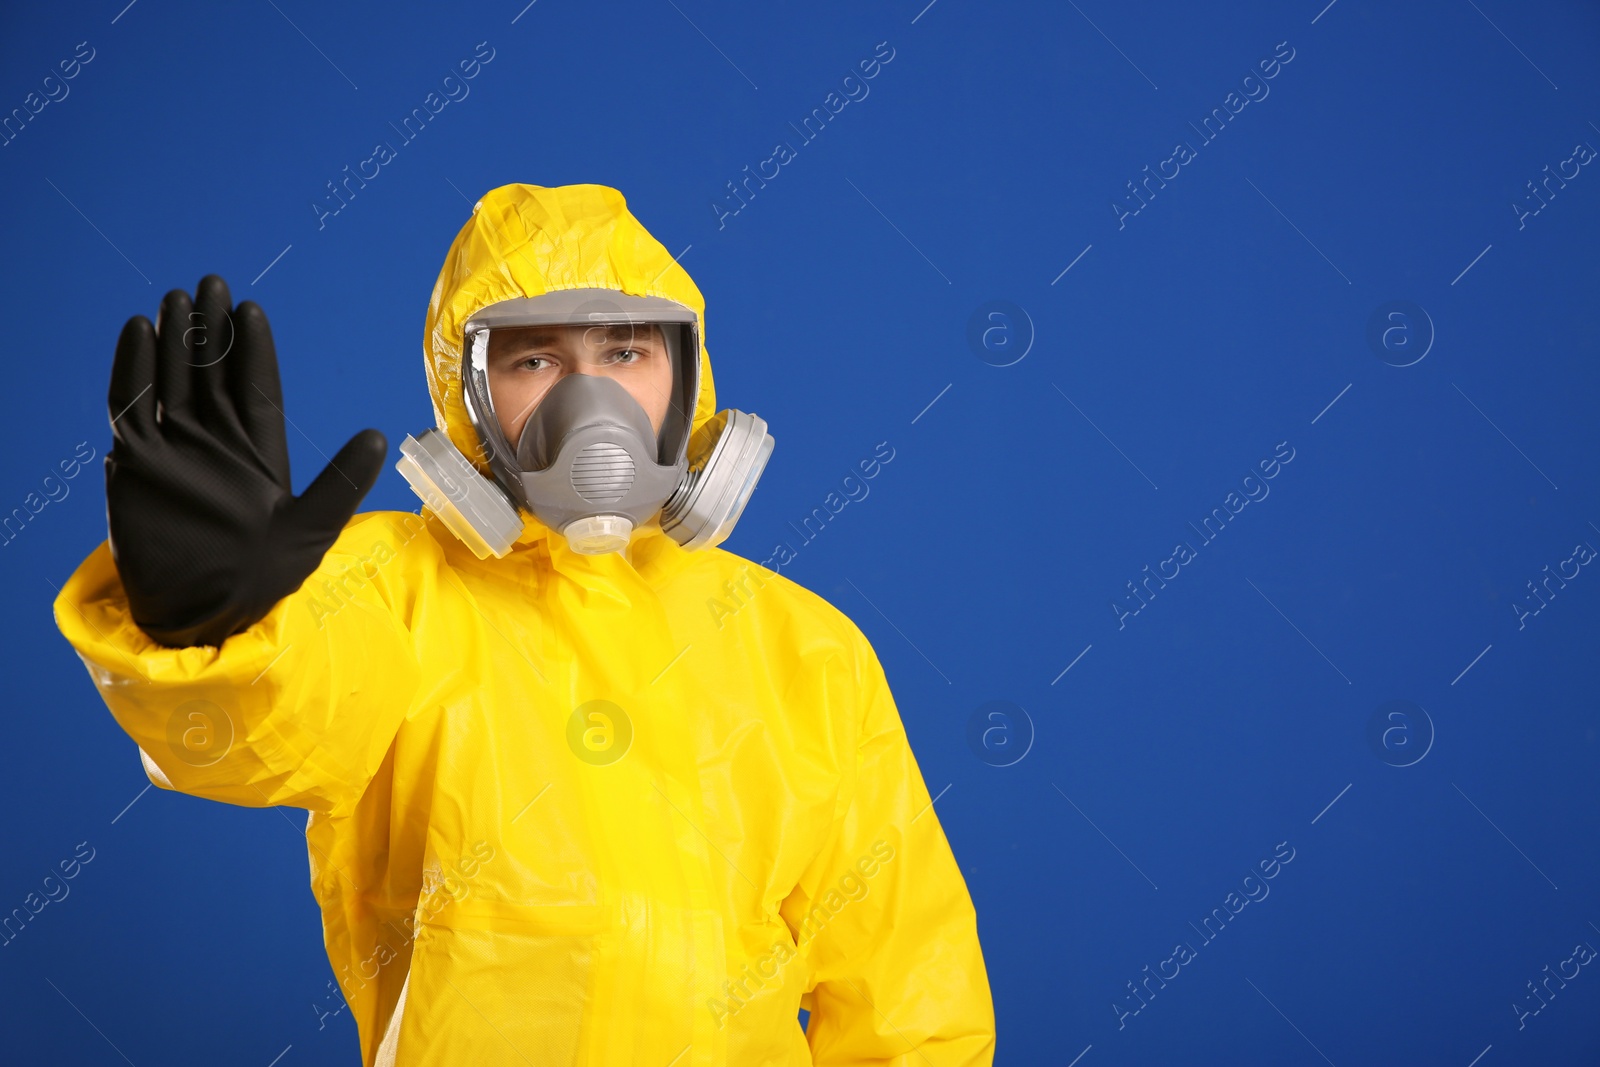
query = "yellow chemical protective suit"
{"x": 624, "y": 810}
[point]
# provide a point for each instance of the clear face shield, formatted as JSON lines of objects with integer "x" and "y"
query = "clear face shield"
{"x": 583, "y": 401}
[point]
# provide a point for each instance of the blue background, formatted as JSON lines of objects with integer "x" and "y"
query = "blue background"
{"x": 1230, "y": 714}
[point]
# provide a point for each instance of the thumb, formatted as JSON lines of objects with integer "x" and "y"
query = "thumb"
{"x": 333, "y": 497}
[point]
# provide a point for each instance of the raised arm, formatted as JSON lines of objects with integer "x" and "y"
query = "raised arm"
{"x": 196, "y": 618}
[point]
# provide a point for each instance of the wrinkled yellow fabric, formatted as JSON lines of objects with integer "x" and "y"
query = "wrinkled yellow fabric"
{"x": 498, "y": 885}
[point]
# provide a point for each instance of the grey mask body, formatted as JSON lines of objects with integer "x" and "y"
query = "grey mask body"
{"x": 588, "y": 449}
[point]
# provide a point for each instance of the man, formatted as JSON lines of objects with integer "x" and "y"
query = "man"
{"x": 561, "y": 813}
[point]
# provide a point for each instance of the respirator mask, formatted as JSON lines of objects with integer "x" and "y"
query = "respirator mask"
{"x": 587, "y": 462}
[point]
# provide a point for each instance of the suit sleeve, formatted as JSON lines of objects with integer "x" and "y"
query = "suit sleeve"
{"x": 883, "y": 916}
{"x": 299, "y": 709}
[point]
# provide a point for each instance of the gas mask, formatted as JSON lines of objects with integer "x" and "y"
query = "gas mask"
{"x": 587, "y": 462}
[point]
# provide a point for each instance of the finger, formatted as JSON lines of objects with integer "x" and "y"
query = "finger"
{"x": 333, "y": 497}
{"x": 211, "y": 342}
{"x": 252, "y": 375}
{"x": 173, "y": 370}
{"x": 131, "y": 400}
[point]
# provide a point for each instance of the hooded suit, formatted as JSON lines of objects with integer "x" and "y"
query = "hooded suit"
{"x": 627, "y": 809}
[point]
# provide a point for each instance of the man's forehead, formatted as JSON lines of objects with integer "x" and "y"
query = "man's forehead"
{"x": 533, "y": 335}
{"x": 556, "y": 335}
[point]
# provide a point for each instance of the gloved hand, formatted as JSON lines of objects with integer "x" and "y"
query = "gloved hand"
{"x": 204, "y": 529}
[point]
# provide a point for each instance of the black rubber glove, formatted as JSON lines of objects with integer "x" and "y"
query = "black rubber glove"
{"x": 204, "y": 529}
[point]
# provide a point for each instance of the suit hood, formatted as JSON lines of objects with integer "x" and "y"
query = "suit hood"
{"x": 527, "y": 240}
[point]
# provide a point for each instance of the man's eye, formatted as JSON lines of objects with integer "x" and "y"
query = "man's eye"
{"x": 627, "y": 355}
{"x": 534, "y": 363}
